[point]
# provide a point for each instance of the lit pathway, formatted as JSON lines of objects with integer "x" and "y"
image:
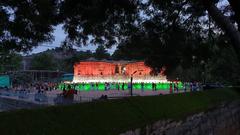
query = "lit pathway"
{"x": 7, "y": 104}
{"x": 79, "y": 97}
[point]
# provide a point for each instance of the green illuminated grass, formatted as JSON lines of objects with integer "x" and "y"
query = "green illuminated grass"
{"x": 110, "y": 117}
{"x": 101, "y": 87}
{"x": 136, "y": 86}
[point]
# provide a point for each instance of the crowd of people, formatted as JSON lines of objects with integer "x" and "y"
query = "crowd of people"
{"x": 68, "y": 90}
{"x": 49, "y": 86}
{"x": 108, "y": 86}
{"x": 38, "y": 86}
{"x": 187, "y": 86}
{"x": 172, "y": 86}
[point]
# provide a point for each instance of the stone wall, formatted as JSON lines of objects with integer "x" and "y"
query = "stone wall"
{"x": 222, "y": 120}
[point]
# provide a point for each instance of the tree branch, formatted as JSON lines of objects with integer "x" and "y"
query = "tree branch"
{"x": 226, "y": 25}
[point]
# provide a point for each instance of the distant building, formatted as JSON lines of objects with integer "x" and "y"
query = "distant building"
{"x": 26, "y": 62}
{"x": 114, "y": 71}
{"x": 111, "y": 68}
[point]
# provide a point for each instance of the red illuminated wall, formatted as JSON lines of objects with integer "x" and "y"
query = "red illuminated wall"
{"x": 138, "y": 68}
{"x": 93, "y": 68}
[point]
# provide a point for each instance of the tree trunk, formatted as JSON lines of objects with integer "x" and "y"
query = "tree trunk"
{"x": 235, "y": 5}
{"x": 225, "y": 24}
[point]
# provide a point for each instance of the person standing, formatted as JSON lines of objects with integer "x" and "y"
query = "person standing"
{"x": 108, "y": 86}
{"x": 70, "y": 94}
{"x": 92, "y": 86}
{"x": 105, "y": 86}
{"x": 170, "y": 88}
{"x": 197, "y": 86}
{"x": 64, "y": 91}
{"x": 96, "y": 86}
{"x": 123, "y": 86}
{"x": 118, "y": 87}
{"x": 129, "y": 86}
{"x": 142, "y": 87}
{"x": 153, "y": 86}
{"x": 185, "y": 87}
{"x": 191, "y": 86}
{"x": 176, "y": 87}
{"x": 194, "y": 86}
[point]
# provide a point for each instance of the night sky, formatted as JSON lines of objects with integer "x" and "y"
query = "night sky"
{"x": 60, "y": 36}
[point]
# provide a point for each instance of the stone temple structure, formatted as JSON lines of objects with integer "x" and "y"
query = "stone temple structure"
{"x": 114, "y": 71}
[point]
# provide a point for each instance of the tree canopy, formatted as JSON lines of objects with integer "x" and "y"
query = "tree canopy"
{"x": 43, "y": 61}
{"x": 25, "y": 24}
{"x": 10, "y": 62}
{"x": 166, "y": 33}
{"x": 101, "y": 53}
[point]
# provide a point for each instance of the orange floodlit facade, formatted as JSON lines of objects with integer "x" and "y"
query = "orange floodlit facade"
{"x": 114, "y": 71}
{"x": 100, "y": 68}
{"x": 137, "y": 69}
{"x": 94, "y": 69}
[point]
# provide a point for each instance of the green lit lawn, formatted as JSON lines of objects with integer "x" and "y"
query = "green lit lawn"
{"x": 109, "y": 117}
{"x": 101, "y": 86}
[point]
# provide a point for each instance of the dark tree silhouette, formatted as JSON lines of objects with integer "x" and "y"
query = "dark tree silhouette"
{"x": 101, "y": 53}
{"x": 24, "y": 24}
{"x": 165, "y": 28}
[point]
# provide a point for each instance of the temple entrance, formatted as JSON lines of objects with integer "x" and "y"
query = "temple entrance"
{"x": 117, "y": 69}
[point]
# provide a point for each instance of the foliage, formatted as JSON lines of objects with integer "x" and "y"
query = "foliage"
{"x": 68, "y": 63}
{"x": 235, "y": 4}
{"x": 169, "y": 33}
{"x": 24, "y": 24}
{"x": 10, "y": 62}
{"x": 19, "y": 78}
{"x": 224, "y": 65}
{"x": 169, "y": 39}
{"x": 43, "y": 61}
{"x": 64, "y": 60}
{"x": 101, "y": 53}
{"x": 104, "y": 20}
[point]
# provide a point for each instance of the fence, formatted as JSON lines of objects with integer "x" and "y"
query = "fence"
{"x": 55, "y": 97}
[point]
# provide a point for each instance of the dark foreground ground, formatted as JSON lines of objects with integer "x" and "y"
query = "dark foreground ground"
{"x": 110, "y": 117}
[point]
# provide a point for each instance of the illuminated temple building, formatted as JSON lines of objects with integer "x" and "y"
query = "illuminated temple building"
{"x": 114, "y": 71}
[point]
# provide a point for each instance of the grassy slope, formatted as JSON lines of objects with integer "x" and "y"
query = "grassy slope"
{"x": 109, "y": 117}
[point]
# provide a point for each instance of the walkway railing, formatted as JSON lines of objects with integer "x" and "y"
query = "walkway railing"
{"x": 55, "y": 97}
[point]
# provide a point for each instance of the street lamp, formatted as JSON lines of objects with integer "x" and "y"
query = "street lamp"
{"x": 131, "y": 90}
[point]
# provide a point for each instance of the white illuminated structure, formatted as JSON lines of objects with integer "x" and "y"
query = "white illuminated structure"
{"x": 119, "y": 79}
